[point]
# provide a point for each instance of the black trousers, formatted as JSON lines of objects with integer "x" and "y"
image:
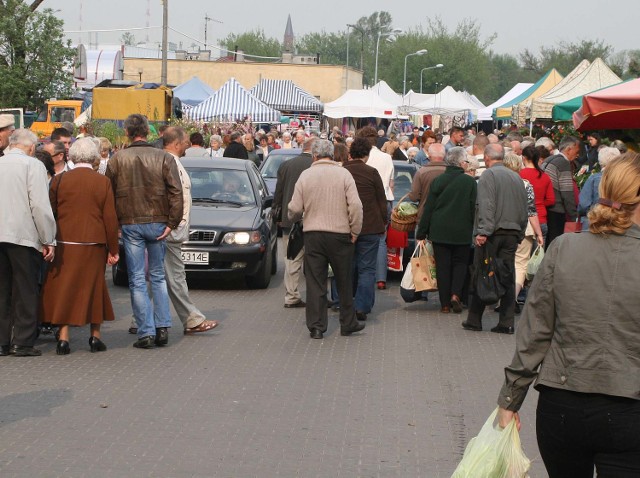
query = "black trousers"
{"x": 452, "y": 266}
{"x": 322, "y": 249}
{"x": 577, "y": 431}
{"x": 555, "y": 223}
{"x": 505, "y": 248}
{"x": 19, "y": 293}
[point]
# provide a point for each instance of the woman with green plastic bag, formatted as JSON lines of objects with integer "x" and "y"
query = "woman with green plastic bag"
{"x": 579, "y": 340}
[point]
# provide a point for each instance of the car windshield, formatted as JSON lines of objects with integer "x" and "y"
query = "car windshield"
{"x": 222, "y": 185}
{"x": 402, "y": 182}
{"x": 272, "y": 164}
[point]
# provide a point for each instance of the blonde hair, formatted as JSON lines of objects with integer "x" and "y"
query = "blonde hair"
{"x": 620, "y": 184}
{"x": 513, "y": 162}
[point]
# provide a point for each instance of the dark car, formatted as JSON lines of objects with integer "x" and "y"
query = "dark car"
{"x": 269, "y": 167}
{"x": 232, "y": 231}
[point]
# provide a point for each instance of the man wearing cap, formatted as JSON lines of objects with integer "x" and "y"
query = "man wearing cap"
{"x": 7, "y": 125}
{"x": 27, "y": 235}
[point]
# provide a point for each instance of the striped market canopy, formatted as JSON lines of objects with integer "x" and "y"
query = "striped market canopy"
{"x": 285, "y": 95}
{"x": 232, "y": 102}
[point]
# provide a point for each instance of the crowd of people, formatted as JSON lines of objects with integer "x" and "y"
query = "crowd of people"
{"x": 64, "y": 204}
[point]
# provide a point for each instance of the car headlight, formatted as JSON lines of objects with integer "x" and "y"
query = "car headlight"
{"x": 242, "y": 238}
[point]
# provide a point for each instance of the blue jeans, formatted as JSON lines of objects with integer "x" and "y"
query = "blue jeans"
{"x": 382, "y": 265}
{"x": 137, "y": 238}
{"x": 365, "y": 261}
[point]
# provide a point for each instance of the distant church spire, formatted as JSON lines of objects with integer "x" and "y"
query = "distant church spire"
{"x": 288, "y": 36}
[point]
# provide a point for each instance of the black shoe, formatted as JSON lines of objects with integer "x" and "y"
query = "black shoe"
{"x": 46, "y": 329}
{"x": 473, "y": 328}
{"x": 162, "y": 336}
{"x": 24, "y": 351}
{"x": 361, "y": 316}
{"x": 500, "y": 329}
{"x": 456, "y": 305}
{"x": 63, "y": 348}
{"x": 295, "y": 305}
{"x": 4, "y": 350}
{"x": 96, "y": 345}
{"x": 356, "y": 328}
{"x": 133, "y": 330}
{"x": 147, "y": 342}
{"x": 316, "y": 334}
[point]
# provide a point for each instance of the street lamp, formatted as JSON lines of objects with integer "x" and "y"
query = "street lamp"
{"x": 390, "y": 34}
{"x": 439, "y": 65}
{"x": 404, "y": 81}
{"x": 362, "y": 32}
{"x": 346, "y": 86}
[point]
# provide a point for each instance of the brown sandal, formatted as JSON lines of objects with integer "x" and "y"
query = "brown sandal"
{"x": 203, "y": 327}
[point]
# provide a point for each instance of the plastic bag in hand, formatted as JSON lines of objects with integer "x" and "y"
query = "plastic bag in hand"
{"x": 494, "y": 453}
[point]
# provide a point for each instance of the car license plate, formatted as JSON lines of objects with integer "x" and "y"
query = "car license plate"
{"x": 190, "y": 257}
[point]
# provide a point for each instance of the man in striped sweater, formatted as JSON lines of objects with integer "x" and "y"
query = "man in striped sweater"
{"x": 559, "y": 169}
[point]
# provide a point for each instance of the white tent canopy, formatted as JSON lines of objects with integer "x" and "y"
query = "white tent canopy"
{"x": 485, "y": 114}
{"x": 584, "y": 79}
{"x": 360, "y": 104}
{"x": 384, "y": 91}
{"x": 413, "y": 98}
{"x": 448, "y": 102}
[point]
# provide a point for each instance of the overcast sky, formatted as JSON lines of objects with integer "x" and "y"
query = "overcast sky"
{"x": 518, "y": 25}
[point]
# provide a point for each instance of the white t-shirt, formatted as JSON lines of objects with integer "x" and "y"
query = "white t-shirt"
{"x": 384, "y": 164}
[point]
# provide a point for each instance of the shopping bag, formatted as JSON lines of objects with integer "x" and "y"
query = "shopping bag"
{"x": 423, "y": 266}
{"x": 490, "y": 276}
{"x": 407, "y": 287}
{"x": 534, "y": 262}
{"x": 494, "y": 453}
{"x": 394, "y": 259}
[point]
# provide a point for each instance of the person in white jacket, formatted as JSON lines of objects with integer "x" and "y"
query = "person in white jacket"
{"x": 27, "y": 234}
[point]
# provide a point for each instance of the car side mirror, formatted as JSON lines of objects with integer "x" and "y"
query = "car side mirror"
{"x": 267, "y": 201}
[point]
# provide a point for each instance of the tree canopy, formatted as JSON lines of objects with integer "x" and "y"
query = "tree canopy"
{"x": 35, "y": 61}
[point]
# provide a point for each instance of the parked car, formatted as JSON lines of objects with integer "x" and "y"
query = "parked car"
{"x": 269, "y": 167}
{"x": 232, "y": 231}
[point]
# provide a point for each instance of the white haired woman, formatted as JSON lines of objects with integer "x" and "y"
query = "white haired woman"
{"x": 589, "y": 193}
{"x": 75, "y": 292}
{"x": 579, "y": 340}
{"x": 533, "y": 232}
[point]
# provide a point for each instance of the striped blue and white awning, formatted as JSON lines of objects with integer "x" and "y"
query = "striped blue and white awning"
{"x": 233, "y": 103}
{"x": 285, "y": 95}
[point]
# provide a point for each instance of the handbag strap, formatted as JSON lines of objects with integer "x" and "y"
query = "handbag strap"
{"x": 55, "y": 194}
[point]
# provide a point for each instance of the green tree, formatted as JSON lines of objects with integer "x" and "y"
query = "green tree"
{"x": 565, "y": 56}
{"x": 332, "y": 47}
{"x": 253, "y": 43}
{"x": 35, "y": 61}
{"x": 128, "y": 39}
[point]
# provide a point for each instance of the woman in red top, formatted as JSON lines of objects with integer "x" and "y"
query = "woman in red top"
{"x": 542, "y": 187}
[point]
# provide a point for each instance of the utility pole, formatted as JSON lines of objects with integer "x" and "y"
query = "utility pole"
{"x": 208, "y": 19}
{"x": 165, "y": 28}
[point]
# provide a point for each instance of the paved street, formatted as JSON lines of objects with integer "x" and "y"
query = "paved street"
{"x": 257, "y": 397}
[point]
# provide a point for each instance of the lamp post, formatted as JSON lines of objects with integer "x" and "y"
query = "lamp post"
{"x": 362, "y": 32}
{"x": 439, "y": 65}
{"x": 346, "y": 86}
{"x": 404, "y": 81}
{"x": 390, "y": 34}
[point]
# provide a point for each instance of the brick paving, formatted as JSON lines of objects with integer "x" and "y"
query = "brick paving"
{"x": 256, "y": 397}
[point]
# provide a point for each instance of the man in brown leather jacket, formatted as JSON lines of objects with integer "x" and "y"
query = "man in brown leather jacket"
{"x": 148, "y": 192}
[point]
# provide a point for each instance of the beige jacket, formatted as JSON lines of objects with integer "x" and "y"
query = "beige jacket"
{"x": 181, "y": 233}
{"x": 327, "y": 195}
{"x": 580, "y": 327}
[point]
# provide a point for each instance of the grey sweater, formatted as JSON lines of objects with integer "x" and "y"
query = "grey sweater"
{"x": 327, "y": 196}
{"x": 502, "y": 202}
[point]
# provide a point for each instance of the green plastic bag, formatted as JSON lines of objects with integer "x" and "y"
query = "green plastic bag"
{"x": 534, "y": 262}
{"x": 494, "y": 453}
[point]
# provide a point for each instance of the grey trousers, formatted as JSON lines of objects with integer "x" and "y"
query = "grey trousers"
{"x": 176, "y": 279}
{"x": 292, "y": 271}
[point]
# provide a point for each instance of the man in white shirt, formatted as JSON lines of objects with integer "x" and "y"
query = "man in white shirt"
{"x": 384, "y": 164}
